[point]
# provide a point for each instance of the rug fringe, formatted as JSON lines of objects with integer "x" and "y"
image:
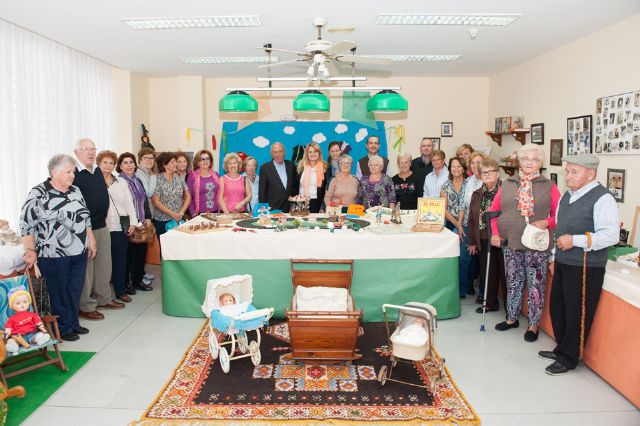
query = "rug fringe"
{"x": 168, "y": 422}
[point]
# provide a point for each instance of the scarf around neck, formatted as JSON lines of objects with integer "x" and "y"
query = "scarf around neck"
{"x": 525, "y": 193}
{"x": 487, "y": 199}
{"x": 306, "y": 176}
{"x": 138, "y": 192}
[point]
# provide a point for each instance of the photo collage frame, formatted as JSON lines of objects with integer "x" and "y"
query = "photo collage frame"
{"x": 617, "y": 126}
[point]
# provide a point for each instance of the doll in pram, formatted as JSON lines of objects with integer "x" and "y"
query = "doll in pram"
{"x": 412, "y": 340}
{"x": 228, "y": 304}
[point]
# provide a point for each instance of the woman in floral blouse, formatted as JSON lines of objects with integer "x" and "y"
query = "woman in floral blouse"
{"x": 377, "y": 188}
{"x": 172, "y": 196}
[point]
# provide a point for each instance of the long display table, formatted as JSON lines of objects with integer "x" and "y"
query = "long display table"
{"x": 388, "y": 268}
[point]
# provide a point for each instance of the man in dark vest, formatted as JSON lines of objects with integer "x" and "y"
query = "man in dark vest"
{"x": 587, "y": 224}
{"x": 422, "y": 164}
{"x": 373, "y": 146}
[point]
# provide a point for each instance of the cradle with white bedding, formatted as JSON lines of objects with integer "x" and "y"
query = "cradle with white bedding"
{"x": 323, "y": 322}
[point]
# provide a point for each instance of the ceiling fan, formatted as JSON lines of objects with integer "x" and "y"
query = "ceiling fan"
{"x": 322, "y": 55}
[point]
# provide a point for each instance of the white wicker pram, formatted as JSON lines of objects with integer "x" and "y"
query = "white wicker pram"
{"x": 410, "y": 347}
{"x": 235, "y": 328}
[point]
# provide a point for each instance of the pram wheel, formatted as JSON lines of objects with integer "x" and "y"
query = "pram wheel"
{"x": 224, "y": 360}
{"x": 382, "y": 375}
{"x": 254, "y": 350}
{"x": 214, "y": 346}
{"x": 394, "y": 362}
{"x": 243, "y": 342}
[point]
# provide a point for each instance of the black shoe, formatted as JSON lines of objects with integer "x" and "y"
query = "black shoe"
{"x": 479, "y": 310}
{"x": 130, "y": 291}
{"x": 504, "y": 326}
{"x": 143, "y": 287}
{"x": 81, "y": 330}
{"x": 556, "y": 369}
{"x": 531, "y": 336}
{"x": 70, "y": 337}
{"x": 547, "y": 355}
{"x": 479, "y": 300}
{"x": 471, "y": 291}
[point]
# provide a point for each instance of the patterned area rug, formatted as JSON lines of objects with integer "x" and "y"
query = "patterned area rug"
{"x": 280, "y": 391}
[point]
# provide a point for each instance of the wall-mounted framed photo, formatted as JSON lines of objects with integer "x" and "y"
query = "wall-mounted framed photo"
{"x": 615, "y": 183}
{"x": 436, "y": 142}
{"x": 579, "y": 132}
{"x": 554, "y": 177}
{"x": 537, "y": 133}
{"x": 446, "y": 129}
{"x": 555, "y": 152}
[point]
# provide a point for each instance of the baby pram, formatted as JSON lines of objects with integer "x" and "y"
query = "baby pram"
{"x": 235, "y": 328}
{"x": 413, "y": 339}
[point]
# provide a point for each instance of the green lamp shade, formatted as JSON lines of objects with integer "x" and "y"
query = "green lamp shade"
{"x": 237, "y": 101}
{"x": 311, "y": 101}
{"x": 387, "y": 101}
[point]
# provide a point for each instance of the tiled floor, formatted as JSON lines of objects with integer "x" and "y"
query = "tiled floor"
{"x": 500, "y": 374}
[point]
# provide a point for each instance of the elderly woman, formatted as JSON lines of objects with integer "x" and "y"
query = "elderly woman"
{"x": 171, "y": 197}
{"x": 182, "y": 165}
{"x": 343, "y": 188}
{"x": 524, "y": 197}
{"x": 474, "y": 182}
{"x": 440, "y": 174}
{"x": 56, "y": 231}
{"x": 235, "y": 191}
{"x": 120, "y": 206}
{"x": 136, "y": 252}
{"x": 478, "y": 236}
{"x": 453, "y": 191}
{"x": 203, "y": 183}
{"x": 311, "y": 170}
{"x": 464, "y": 153}
{"x": 407, "y": 184}
{"x": 377, "y": 189}
{"x": 250, "y": 169}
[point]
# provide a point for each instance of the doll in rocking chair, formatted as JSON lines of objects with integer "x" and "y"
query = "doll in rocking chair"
{"x": 23, "y": 327}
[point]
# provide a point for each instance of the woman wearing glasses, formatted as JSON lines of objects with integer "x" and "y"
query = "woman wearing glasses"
{"x": 478, "y": 242}
{"x": 203, "y": 183}
{"x": 527, "y": 196}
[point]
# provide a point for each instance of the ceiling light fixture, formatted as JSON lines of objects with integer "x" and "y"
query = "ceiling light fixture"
{"x": 193, "y": 22}
{"x": 423, "y": 19}
{"x": 311, "y": 101}
{"x": 417, "y": 58}
{"x": 228, "y": 60}
{"x": 387, "y": 101}
{"x": 238, "y": 101}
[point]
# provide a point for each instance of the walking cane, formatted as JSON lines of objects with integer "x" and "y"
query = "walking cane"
{"x": 488, "y": 216}
{"x": 583, "y": 314}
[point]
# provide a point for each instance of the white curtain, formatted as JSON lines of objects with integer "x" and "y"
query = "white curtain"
{"x": 50, "y": 96}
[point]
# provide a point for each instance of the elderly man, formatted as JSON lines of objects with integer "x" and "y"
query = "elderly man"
{"x": 422, "y": 164}
{"x": 278, "y": 180}
{"x": 373, "y": 146}
{"x": 90, "y": 180}
{"x": 587, "y": 225}
{"x": 440, "y": 174}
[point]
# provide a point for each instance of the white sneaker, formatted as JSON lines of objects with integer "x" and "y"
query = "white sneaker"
{"x": 146, "y": 281}
{"x": 41, "y": 338}
{"x": 12, "y": 346}
{"x": 149, "y": 277}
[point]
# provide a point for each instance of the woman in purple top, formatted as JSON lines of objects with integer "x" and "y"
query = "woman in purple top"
{"x": 203, "y": 183}
{"x": 377, "y": 188}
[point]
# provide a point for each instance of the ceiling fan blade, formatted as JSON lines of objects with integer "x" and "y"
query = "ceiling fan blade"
{"x": 277, "y": 64}
{"x": 293, "y": 52}
{"x": 341, "y": 46}
{"x": 363, "y": 59}
{"x": 331, "y": 67}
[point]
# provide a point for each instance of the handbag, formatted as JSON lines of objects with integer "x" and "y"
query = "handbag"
{"x": 535, "y": 238}
{"x": 41, "y": 299}
{"x": 144, "y": 234}
{"x": 125, "y": 222}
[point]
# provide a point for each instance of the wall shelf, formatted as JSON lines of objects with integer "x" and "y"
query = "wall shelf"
{"x": 519, "y": 134}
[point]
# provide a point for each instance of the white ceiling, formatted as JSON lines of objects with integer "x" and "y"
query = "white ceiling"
{"x": 94, "y": 27}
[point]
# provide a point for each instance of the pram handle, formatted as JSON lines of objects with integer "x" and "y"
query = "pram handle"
{"x": 423, "y": 312}
{"x": 265, "y": 312}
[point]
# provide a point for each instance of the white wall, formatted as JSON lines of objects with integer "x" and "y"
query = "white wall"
{"x": 139, "y": 109}
{"x": 565, "y": 83}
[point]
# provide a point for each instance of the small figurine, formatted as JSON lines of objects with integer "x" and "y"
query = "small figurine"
{"x": 379, "y": 215}
{"x": 23, "y": 327}
{"x": 396, "y": 217}
{"x": 7, "y": 235}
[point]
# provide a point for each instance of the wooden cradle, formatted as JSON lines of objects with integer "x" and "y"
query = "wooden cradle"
{"x": 322, "y": 335}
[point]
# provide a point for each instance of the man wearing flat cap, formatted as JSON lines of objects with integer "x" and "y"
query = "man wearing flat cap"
{"x": 587, "y": 225}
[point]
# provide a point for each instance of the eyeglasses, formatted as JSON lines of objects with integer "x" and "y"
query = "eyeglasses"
{"x": 88, "y": 149}
{"x": 527, "y": 159}
{"x": 148, "y": 157}
{"x": 205, "y": 159}
{"x": 488, "y": 172}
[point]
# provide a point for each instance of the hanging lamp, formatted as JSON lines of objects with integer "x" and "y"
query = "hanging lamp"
{"x": 311, "y": 101}
{"x": 238, "y": 101}
{"x": 387, "y": 101}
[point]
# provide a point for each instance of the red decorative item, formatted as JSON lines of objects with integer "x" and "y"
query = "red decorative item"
{"x": 214, "y": 143}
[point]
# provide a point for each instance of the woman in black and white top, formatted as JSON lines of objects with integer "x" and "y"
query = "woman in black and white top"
{"x": 120, "y": 204}
{"x": 56, "y": 231}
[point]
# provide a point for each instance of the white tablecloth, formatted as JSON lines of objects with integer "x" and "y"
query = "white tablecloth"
{"x": 312, "y": 244}
{"x": 626, "y": 286}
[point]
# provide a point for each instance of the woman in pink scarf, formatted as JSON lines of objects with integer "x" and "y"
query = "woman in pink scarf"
{"x": 311, "y": 170}
{"x": 203, "y": 183}
{"x": 526, "y": 196}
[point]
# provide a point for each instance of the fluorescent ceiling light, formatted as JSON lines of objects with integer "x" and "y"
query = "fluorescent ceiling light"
{"x": 229, "y": 60}
{"x": 193, "y": 22}
{"x": 475, "y": 20}
{"x": 416, "y": 58}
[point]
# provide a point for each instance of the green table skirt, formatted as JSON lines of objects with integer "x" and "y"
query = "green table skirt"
{"x": 375, "y": 281}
